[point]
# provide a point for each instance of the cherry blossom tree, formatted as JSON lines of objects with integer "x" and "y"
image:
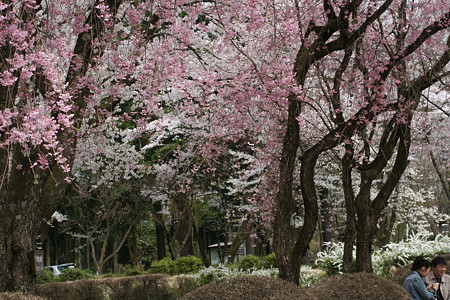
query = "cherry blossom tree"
{"x": 296, "y": 79}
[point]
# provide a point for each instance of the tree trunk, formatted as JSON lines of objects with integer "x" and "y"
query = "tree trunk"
{"x": 160, "y": 233}
{"x": 349, "y": 196}
{"x": 198, "y": 236}
{"x": 325, "y": 214}
{"x": 19, "y": 212}
{"x": 242, "y": 234}
{"x": 283, "y": 236}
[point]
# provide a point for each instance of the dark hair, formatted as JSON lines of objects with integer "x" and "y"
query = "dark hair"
{"x": 438, "y": 260}
{"x": 420, "y": 262}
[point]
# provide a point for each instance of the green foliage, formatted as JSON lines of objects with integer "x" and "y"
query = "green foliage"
{"x": 47, "y": 277}
{"x": 163, "y": 266}
{"x": 130, "y": 271}
{"x": 270, "y": 261}
{"x": 250, "y": 262}
{"x": 75, "y": 274}
{"x": 188, "y": 264}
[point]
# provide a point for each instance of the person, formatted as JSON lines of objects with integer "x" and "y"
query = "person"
{"x": 438, "y": 268}
{"x": 415, "y": 284}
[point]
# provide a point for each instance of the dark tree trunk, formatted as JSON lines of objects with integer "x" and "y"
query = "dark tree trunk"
{"x": 199, "y": 237}
{"x": 350, "y": 223}
{"x": 284, "y": 240}
{"x": 325, "y": 214}
{"x": 160, "y": 233}
{"x": 19, "y": 212}
{"x": 242, "y": 234}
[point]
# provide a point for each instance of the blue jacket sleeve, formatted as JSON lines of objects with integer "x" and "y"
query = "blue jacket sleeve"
{"x": 421, "y": 288}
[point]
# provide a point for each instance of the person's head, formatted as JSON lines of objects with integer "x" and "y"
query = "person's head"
{"x": 439, "y": 266}
{"x": 421, "y": 265}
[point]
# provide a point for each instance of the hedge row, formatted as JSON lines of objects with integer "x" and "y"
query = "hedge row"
{"x": 149, "y": 286}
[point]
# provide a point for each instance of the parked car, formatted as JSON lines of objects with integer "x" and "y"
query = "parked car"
{"x": 58, "y": 269}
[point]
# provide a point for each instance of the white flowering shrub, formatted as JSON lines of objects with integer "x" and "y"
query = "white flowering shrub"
{"x": 330, "y": 260}
{"x": 308, "y": 275}
{"x": 391, "y": 255}
{"x": 404, "y": 252}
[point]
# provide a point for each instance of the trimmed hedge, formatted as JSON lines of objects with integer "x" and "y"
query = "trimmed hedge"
{"x": 19, "y": 296}
{"x": 248, "y": 288}
{"x": 357, "y": 286}
{"x": 150, "y": 286}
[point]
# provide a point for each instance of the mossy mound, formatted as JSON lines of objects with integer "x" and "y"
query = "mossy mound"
{"x": 357, "y": 286}
{"x": 248, "y": 288}
{"x": 19, "y": 296}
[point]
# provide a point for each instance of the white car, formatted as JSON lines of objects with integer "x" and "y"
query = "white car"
{"x": 58, "y": 269}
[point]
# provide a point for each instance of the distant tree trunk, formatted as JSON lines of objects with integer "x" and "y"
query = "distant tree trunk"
{"x": 88, "y": 254}
{"x": 325, "y": 214}
{"x": 181, "y": 241}
{"x": 160, "y": 233}
{"x": 133, "y": 247}
{"x": 198, "y": 236}
{"x": 242, "y": 234}
{"x": 47, "y": 252}
{"x": 442, "y": 178}
{"x": 115, "y": 260}
{"x": 386, "y": 228}
{"x": 78, "y": 252}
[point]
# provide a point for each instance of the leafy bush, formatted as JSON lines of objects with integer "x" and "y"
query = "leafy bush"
{"x": 130, "y": 271}
{"x": 188, "y": 264}
{"x": 47, "y": 277}
{"x": 75, "y": 274}
{"x": 269, "y": 261}
{"x": 250, "y": 262}
{"x": 163, "y": 266}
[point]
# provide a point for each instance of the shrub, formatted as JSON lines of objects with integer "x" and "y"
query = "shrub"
{"x": 247, "y": 288}
{"x": 357, "y": 286}
{"x": 390, "y": 256}
{"x": 131, "y": 271}
{"x": 163, "y": 266}
{"x": 46, "y": 277}
{"x": 188, "y": 264}
{"x": 75, "y": 274}
{"x": 250, "y": 262}
{"x": 150, "y": 286}
{"x": 269, "y": 261}
{"x": 309, "y": 276}
{"x": 211, "y": 274}
{"x": 19, "y": 296}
